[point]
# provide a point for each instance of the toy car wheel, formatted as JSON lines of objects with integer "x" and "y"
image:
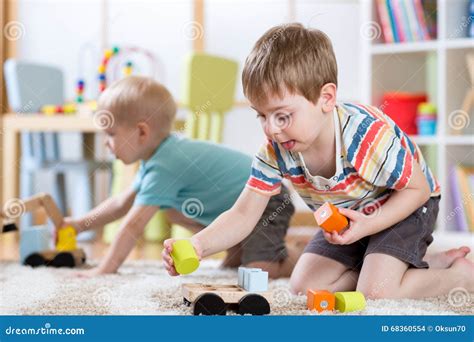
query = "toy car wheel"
{"x": 253, "y": 304}
{"x": 35, "y": 260}
{"x": 209, "y": 304}
{"x": 186, "y": 302}
{"x": 63, "y": 259}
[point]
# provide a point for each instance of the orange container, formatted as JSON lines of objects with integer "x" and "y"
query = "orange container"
{"x": 330, "y": 219}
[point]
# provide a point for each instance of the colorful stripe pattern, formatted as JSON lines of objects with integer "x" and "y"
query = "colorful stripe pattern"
{"x": 375, "y": 157}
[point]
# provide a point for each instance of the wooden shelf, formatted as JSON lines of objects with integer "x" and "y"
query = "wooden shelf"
{"x": 409, "y": 47}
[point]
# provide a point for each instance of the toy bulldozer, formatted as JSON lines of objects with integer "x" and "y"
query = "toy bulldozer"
{"x": 35, "y": 242}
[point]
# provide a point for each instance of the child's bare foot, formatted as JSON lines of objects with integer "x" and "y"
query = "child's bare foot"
{"x": 446, "y": 259}
{"x": 466, "y": 272}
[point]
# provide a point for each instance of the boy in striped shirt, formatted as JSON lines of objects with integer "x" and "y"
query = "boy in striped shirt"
{"x": 351, "y": 155}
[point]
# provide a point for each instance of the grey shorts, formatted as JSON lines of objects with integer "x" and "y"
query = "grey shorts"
{"x": 267, "y": 240}
{"x": 407, "y": 240}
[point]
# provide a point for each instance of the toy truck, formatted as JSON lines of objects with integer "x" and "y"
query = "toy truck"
{"x": 36, "y": 241}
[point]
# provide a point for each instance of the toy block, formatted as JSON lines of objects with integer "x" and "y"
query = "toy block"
{"x": 66, "y": 239}
{"x": 330, "y": 219}
{"x": 184, "y": 257}
{"x": 34, "y": 239}
{"x": 241, "y": 272}
{"x": 255, "y": 280}
{"x": 350, "y": 301}
{"x": 320, "y": 300}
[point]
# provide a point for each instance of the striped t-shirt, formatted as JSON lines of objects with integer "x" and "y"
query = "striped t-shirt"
{"x": 374, "y": 158}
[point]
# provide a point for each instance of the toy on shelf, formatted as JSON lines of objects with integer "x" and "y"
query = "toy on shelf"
{"x": 80, "y": 91}
{"x": 36, "y": 242}
{"x": 330, "y": 219}
{"x": 216, "y": 299}
{"x": 66, "y": 109}
{"x": 184, "y": 257}
{"x": 401, "y": 107}
{"x": 108, "y": 72}
{"x": 323, "y": 300}
{"x": 426, "y": 119}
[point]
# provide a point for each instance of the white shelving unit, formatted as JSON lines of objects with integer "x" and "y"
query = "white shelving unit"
{"x": 438, "y": 68}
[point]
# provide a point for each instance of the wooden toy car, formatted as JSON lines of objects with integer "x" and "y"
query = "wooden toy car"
{"x": 35, "y": 242}
{"x": 216, "y": 299}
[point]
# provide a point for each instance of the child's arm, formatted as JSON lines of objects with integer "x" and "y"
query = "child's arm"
{"x": 227, "y": 230}
{"x": 106, "y": 212}
{"x": 399, "y": 206}
{"x": 131, "y": 229}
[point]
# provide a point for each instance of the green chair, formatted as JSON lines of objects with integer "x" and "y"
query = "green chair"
{"x": 208, "y": 92}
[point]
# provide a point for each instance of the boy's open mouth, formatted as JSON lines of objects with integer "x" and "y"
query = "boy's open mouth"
{"x": 288, "y": 145}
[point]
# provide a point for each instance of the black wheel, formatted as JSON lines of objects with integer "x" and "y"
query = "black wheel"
{"x": 253, "y": 304}
{"x": 35, "y": 260}
{"x": 63, "y": 259}
{"x": 186, "y": 302}
{"x": 209, "y": 304}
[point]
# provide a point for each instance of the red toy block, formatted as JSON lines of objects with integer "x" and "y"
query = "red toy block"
{"x": 330, "y": 219}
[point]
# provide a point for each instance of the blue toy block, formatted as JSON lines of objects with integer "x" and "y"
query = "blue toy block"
{"x": 33, "y": 240}
{"x": 241, "y": 271}
{"x": 255, "y": 280}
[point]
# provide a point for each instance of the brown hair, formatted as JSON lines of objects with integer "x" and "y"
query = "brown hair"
{"x": 134, "y": 99}
{"x": 292, "y": 56}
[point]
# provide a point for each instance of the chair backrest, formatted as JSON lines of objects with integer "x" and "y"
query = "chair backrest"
{"x": 209, "y": 83}
{"x": 208, "y": 91}
{"x": 29, "y": 87}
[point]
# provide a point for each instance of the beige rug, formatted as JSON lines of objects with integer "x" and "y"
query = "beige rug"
{"x": 144, "y": 288}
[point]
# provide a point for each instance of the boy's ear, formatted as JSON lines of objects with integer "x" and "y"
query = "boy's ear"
{"x": 328, "y": 97}
{"x": 143, "y": 130}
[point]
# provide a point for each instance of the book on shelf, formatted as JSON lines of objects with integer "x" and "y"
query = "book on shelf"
{"x": 461, "y": 179}
{"x": 407, "y": 20}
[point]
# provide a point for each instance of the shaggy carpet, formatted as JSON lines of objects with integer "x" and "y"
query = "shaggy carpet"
{"x": 144, "y": 288}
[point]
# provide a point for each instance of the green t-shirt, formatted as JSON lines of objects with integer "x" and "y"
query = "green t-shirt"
{"x": 197, "y": 178}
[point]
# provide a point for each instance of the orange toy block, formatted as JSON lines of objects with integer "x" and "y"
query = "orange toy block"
{"x": 320, "y": 300}
{"x": 330, "y": 219}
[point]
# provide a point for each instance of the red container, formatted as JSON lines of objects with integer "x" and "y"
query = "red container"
{"x": 402, "y": 108}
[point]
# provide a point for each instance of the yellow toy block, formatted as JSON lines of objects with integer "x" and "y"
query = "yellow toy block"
{"x": 184, "y": 257}
{"x": 320, "y": 300}
{"x": 350, "y": 301}
{"x": 66, "y": 239}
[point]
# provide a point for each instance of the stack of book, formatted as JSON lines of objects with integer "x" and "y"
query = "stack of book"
{"x": 407, "y": 20}
{"x": 462, "y": 191}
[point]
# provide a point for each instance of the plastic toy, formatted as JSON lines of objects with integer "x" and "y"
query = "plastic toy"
{"x": 184, "y": 257}
{"x": 216, "y": 299}
{"x": 330, "y": 219}
{"x": 350, "y": 301}
{"x": 320, "y": 300}
{"x": 426, "y": 119}
{"x": 36, "y": 241}
{"x": 323, "y": 300}
{"x": 253, "y": 279}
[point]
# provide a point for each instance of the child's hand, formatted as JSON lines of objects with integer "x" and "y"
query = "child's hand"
{"x": 357, "y": 229}
{"x": 168, "y": 260}
{"x": 69, "y": 221}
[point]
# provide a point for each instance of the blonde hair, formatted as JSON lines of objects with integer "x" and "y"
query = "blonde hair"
{"x": 289, "y": 57}
{"x": 135, "y": 99}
